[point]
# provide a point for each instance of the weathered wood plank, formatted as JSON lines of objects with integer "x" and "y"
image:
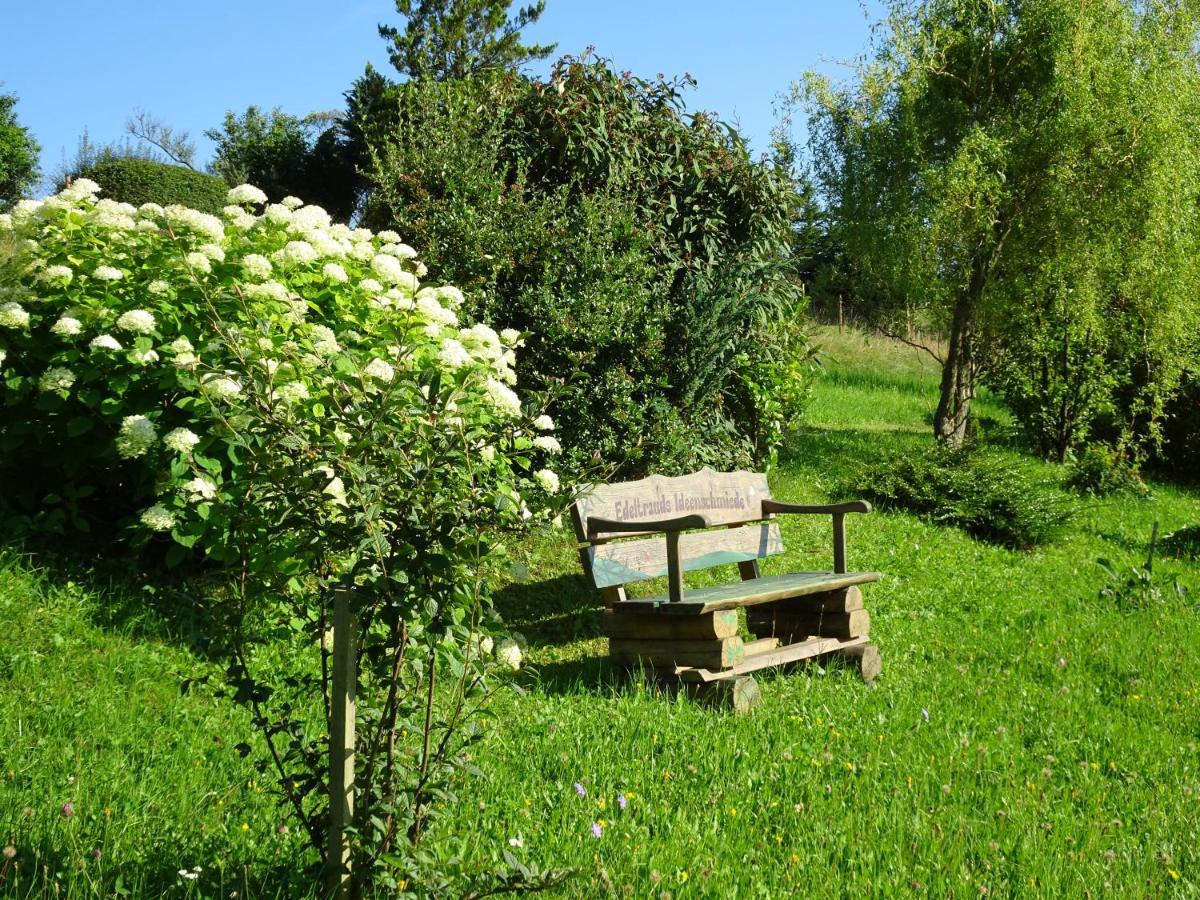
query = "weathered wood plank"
{"x": 753, "y": 592}
{"x": 635, "y": 626}
{"x": 738, "y": 694}
{"x": 762, "y": 645}
{"x": 865, "y": 659}
{"x": 791, "y": 626}
{"x": 840, "y": 601}
{"x": 638, "y": 560}
{"x": 789, "y": 653}
{"x": 663, "y": 654}
{"x": 723, "y": 497}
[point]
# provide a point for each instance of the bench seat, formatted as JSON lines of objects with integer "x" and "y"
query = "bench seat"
{"x": 698, "y": 601}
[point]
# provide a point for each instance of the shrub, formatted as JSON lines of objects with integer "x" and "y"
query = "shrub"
{"x": 279, "y": 393}
{"x": 139, "y": 181}
{"x": 641, "y": 245}
{"x": 1183, "y": 543}
{"x": 1180, "y": 454}
{"x": 985, "y": 495}
{"x": 1101, "y": 470}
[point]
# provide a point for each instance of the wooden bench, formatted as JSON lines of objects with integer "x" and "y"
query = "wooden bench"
{"x": 660, "y": 526}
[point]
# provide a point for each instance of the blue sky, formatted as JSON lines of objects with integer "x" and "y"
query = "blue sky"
{"x": 87, "y": 64}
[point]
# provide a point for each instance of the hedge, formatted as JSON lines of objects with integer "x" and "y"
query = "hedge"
{"x": 139, "y": 181}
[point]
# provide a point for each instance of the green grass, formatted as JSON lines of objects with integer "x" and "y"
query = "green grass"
{"x": 1026, "y": 737}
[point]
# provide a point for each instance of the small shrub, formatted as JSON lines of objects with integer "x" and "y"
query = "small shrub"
{"x": 1183, "y": 543}
{"x": 985, "y": 495}
{"x": 1102, "y": 471}
{"x": 1139, "y": 587}
{"x": 139, "y": 181}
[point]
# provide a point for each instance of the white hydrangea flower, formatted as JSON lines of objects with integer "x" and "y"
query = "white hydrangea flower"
{"x": 105, "y": 342}
{"x": 547, "y": 443}
{"x": 502, "y": 397}
{"x": 200, "y": 488}
{"x": 434, "y": 312}
{"x": 137, "y": 436}
{"x": 67, "y": 326}
{"x": 510, "y": 337}
{"x": 387, "y": 236}
{"x": 543, "y": 423}
{"x": 158, "y": 286}
{"x": 292, "y": 202}
{"x": 508, "y": 653}
{"x": 486, "y": 645}
{"x": 453, "y": 355}
{"x": 80, "y": 188}
{"x": 157, "y": 518}
{"x": 180, "y": 440}
{"x": 363, "y": 252}
{"x": 370, "y": 286}
{"x": 404, "y": 251}
{"x": 388, "y": 268}
{"x": 246, "y": 193}
{"x": 324, "y": 340}
{"x": 56, "y": 379}
{"x": 56, "y": 275}
{"x": 488, "y": 452}
{"x": 421, "y": 269}
{"x": 13, "y": 315}
{"x": 213, "y": 252}
{"x": 292, "y": 392}
{"x": 181, "y": 217}
{"x": 108, "y": 273}
{"x": 3, "y": 356}
{"x": 268, "y": 290}
{"x": 139, "y": 321}
{"x": 379, "y": 369}
{"x": 548, "y": 480}
{"x": 199, "y": 262}
{"x": 278, "y": 213}
{"x": 238, "y": 217}
{"x": 142, "y": 357}
{"x": 257, "y": 266}
{"x": 335, "y": 273}
{"x": 221, "y": 387}
{"x": 150, "y": 210}
{"x": 309, "y": 217}
{"x": 295, "y": 253}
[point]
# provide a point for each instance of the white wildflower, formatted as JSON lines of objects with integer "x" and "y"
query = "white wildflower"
{"x": 335, "y": 273}
{"x": 200, "y": 488}
{"x": 105, "y": 342}
{"x": 156, "y": 518}
{"x": 138, "y": 320}
{"x": 137, "y": 435}
{"x": 56, "y": 379}
{"x": 13, "y": 315}
{"x": 380, "y": 370}
{"x": 548, "y": 480}
{"x": 246, "y": 193}
{"x": 180, "y": 440}
{"x": 67, "y": 326}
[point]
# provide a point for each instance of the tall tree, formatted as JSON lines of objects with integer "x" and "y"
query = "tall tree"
{"x": 18, "y": 155}
{"x": 457, "y": 38}
{"x": 990, "y": 159}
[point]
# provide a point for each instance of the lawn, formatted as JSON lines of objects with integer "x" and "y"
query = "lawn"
{"x": 1027, "y": 737}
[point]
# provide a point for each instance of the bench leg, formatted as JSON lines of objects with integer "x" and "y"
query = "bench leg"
{"x": 740, "y": 694}
{"x": 864, "y": 659}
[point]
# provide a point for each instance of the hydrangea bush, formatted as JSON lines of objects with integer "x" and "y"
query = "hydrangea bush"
{"x": 280, "y": 395}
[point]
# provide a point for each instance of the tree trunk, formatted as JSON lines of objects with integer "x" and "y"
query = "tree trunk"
{"x": 958, "y": 376}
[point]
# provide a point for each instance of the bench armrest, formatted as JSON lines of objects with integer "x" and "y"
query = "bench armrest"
{"x": 671, "y": 528}
{"x": 770, "y": 507}
{"x": 837, "y": 510}
{"x": 596, "y": 525}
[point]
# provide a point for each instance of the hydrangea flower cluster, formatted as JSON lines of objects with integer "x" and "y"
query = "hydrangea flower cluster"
{"x": 142, "y": 327}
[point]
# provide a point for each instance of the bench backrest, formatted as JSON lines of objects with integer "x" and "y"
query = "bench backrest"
{"x": 733, "y": 499}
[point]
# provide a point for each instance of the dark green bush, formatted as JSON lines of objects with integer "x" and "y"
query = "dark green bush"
{"x": 139, "y": 181}
{"x": 640, "y": 247}
{"x": 1101, "y": 470}
{"x": 1183, "y": 543}
{"x": 1180, "y": 454}
{"x": 986, "y": 495}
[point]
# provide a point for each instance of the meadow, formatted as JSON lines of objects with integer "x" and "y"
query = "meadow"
{"x": 1028, "y": 737}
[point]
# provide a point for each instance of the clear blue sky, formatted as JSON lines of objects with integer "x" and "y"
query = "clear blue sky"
{"x": 87, "y": 64}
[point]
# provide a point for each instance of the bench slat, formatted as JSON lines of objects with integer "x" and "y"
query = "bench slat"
{"x": 747, "y": 593}
{"x": 724, "y": 497}
{"x": 637, "y": 560}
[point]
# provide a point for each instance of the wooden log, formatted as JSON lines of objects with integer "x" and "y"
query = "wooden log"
{"x": 634, "y": 626}
{"x": 790, "y": 627}
{"x": 865, "y": 659}
{"x": 781, "y": 656}
{"x": 739, "y": 694}
{"x": 665, "y": 654}
{"x": 840, "y": 601}
{"x": 762, "y": 645}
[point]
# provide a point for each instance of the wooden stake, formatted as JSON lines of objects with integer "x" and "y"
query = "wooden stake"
{"x": 341, "y": 745}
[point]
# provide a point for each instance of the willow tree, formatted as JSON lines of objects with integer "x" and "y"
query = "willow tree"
{"x": 1000, "y": 170}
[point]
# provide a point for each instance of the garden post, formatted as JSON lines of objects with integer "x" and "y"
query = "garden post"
{"x": 341, "y": 744}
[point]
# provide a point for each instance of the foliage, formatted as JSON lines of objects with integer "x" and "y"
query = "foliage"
{"x": 278, "y": 393}
{"x": 1183, "y": 543}
{"x": 287, "y": 156}
{"x": 1021, "y": 175}
{"x": 641, "y": 247}
{"x": 1180, "y": 452}
{"x": 1102, "y": 470}
{"x": 985, "y": 495}
{"x": 452, "y": 39}
{"x": 139, "y": 181}
{"x": 18, "y": 155}
{"x": 1139, "y": 587}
